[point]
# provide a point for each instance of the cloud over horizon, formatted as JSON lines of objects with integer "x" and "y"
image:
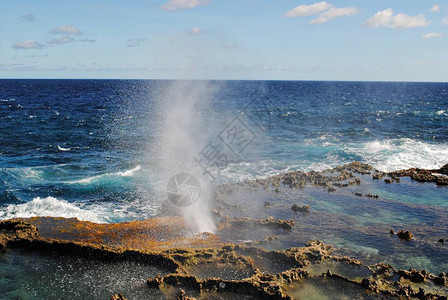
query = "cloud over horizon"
{"x": 435, "y": 8}
{"x": 66, "y": 30}
{"x": 308, "y": 9}
{"x": 335, "y": 12}
{"x": 174, "y": 5}
{"x": 27, "y": 45}
{"x": 326, "y": 11}
{"x": 386, "y": 18}
{"x": 432, "y": 35}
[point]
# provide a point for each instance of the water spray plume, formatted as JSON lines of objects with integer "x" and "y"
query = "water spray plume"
{"x": 182, "y": 137}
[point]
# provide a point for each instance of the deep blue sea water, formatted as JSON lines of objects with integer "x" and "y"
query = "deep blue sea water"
{"x": 101, "y": 149}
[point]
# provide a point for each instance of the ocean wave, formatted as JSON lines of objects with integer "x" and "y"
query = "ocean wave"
{"x": 63, "y": 149}
{"x": 395, "y": 154}
{"x": 387, "y": 155}
{"x": 50, "y": 207}
{"x": 106, "y": 176}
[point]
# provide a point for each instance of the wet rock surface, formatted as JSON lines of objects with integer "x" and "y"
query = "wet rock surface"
{"x": 405, "y": 235}
{"x": 439, "y": 176}
{"x": 117, "y": 297}
{"x": 263, "y": 274}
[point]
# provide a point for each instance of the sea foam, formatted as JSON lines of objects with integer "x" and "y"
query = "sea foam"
{"x": 396, "y": 154}
{"x": 127, "y": 173}
{"x": 49, "y": 207}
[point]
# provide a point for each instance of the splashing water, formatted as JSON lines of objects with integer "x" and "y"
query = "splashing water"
{"x": 182, "y": 138}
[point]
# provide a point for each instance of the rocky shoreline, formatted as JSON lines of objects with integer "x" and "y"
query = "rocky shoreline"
{"x": 207, "y": 265}
{"x": 270, "y": 280}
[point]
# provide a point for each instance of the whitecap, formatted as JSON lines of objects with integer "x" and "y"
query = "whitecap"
{"x": 127, "y": 173}
{"x": 395, "y": 154}
{"x": 49, "y": 207}
{"x": 63, "y": 149}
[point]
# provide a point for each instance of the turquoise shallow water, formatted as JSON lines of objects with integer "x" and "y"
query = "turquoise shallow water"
{"x": 357, "y": 226}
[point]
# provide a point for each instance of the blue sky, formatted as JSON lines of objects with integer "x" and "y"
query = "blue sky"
{"x": 399, "y": 40}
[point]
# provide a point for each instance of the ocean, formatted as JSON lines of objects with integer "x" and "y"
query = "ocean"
{"x": 102, "y": 150}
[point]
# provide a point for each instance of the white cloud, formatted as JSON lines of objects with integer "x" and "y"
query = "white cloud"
{"x": 325, "y": 10}
{"x": 28, "y": 18}
{"x": 195, "y": 31}
{"x": 173, "y": 5}
{"x": 66, "y": 29}
{"x": 386, "y": 18}
{"x": 26, "y": 45}
{"x": 62, "y": 40}
{"x": 335, "y": 12}
{"x": 444, "y": 21}
{"x": 308, "y": 10}
{"x": 431, "y": 35}
{"x": 435, "y": 8}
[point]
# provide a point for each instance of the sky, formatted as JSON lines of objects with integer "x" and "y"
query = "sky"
{"x": 381, "y": 40}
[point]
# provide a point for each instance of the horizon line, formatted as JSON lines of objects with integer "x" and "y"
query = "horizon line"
{"x": 202, "y": 79}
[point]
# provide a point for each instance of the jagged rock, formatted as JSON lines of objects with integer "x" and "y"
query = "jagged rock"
{"x": 405, "y": 235}
{"x": 3, "y": 242}
{"x": 392, "y": 231}
{"x": 372, "y": 196}
{"x": 302, "y": 209}
{"x": 183, "y": 296}
{"x": 356, "y": 181}
{"x": 270, "y": 238}
{"x": 260, "y": 285}
{"x": 442, "y": 180}
{"x": 117, "y": 297}
{"x": 414, "y": 275}
{"x": 358, "y": 194}
{"x": 388, "y": 180}
{"x": 377, "y": 176}
{"x": 444, "y": 170}
{"x": 442, "y": 279}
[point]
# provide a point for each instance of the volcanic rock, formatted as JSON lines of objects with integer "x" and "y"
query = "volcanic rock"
{"x": 444, "y": 170}
{"x": 117, "y": 297}
{"x": 405, "y": 235}
{"x": 302, "y": 209}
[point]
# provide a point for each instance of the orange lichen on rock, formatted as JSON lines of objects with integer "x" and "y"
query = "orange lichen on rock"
{"x": 152, "y": 234}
